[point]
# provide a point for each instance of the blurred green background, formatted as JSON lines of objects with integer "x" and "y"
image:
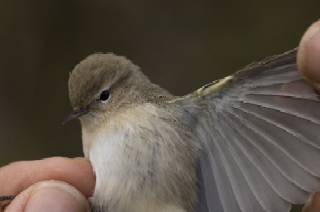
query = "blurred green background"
{"x": 179, "y": 45}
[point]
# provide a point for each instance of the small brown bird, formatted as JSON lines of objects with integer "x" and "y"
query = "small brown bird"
{"x": 249, "y": 142}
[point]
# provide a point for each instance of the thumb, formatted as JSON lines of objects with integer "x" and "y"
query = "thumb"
{"x": 49, "y": 196}
{"x": 308, "y": 58}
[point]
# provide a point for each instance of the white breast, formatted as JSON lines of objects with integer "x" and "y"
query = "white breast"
{"x": 115, "y": 153}
{"x": 137, "y": 159}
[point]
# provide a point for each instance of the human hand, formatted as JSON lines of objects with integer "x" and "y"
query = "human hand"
{"x": 309, "y": 66}
{"x": 308, "y": 58}
{"x": 33, "y": 180}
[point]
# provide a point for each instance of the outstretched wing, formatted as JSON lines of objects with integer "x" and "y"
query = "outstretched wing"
{"x": 260, "y": 132}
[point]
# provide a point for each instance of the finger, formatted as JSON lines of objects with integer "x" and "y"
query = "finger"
{"x": 314, "y": 204}
{"x": 49, "y": 196}
{"x": 18, "y": 176}
{"x": 308, "y": 58}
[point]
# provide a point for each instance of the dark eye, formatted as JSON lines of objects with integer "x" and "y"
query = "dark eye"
{"x": 104, "y": 96}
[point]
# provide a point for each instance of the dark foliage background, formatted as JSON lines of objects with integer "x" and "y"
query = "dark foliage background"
{"x": 180, "y": 45}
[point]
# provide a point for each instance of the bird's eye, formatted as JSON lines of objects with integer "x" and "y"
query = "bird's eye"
{"x": 104, "y": 96}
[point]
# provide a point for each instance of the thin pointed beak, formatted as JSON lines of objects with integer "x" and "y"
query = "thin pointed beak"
{"x": 75, "y": 114}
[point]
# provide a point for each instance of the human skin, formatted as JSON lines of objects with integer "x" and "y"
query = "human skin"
{"x": 64, "y": 184}
{"x": 309, "y": 67}
{"x": 51, "y": 184}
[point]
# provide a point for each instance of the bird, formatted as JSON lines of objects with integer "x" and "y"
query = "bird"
{"x": 248, "y": 142}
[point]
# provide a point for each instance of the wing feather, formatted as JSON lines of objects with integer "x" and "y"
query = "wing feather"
{"x": 283, "y": 186}
{"x": 271, "y": 150}
{"x": 285, "y": 138}
{"x": 206, "y": 177}
{"x": 238, "y": 182}
{"x": 260, "y": 136}
{"x": 257, "y": 183}
{"x": 225, "y": 188}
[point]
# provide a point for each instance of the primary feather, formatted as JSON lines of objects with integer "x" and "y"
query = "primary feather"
{"x": 260, "y": 137}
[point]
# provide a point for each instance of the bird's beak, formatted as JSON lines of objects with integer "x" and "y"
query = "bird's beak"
{"x": 75, "y": 114}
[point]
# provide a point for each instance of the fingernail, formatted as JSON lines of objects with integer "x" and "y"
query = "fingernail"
{"x": 55, "y": 196}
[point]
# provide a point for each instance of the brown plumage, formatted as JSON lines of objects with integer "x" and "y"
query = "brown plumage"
{"x": 234, "y": 145}
{"x": 153, "y": 151}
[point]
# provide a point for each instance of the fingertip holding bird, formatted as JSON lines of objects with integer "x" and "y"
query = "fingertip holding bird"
{"x": 74, "y": 171}
{"x": 308, "y": 57}
{"x": 49, "y": 196}
{"x": 314, "y": 204}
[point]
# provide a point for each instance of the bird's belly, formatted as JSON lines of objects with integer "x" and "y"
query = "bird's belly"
{"x": 138, "y": 167}
{"x": 125, "y": 175}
